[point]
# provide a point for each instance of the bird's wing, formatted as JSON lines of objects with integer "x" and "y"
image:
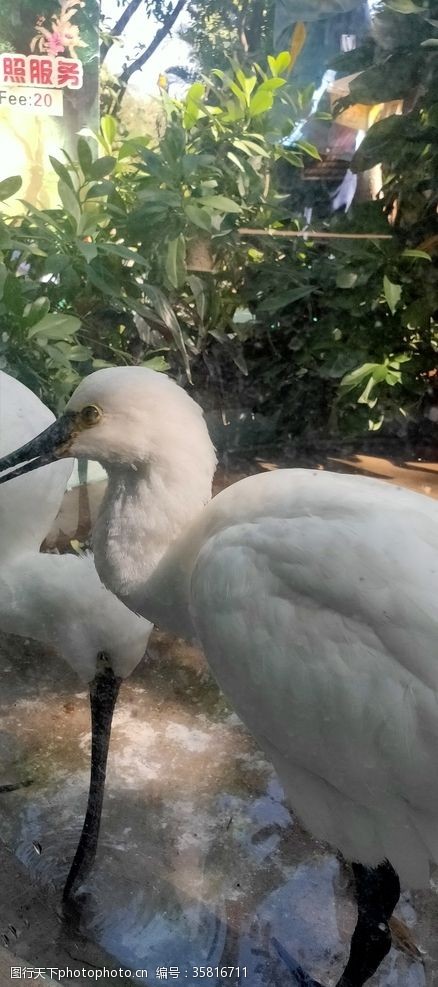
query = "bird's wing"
{"x": 60, "y": 601}
{"x": 322, "y": 629}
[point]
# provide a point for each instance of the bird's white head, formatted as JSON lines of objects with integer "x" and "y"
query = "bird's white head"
{"x": 134, "y": 416}
{"x": 123, "y": 416}
{"x": 152, "y": 439}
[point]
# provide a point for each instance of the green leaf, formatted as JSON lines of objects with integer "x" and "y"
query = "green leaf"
{"x": 55, "y": 263}
{"x": 102, "y": 188}
{"x": 69, "y": 201}
{"x": 62, "y": 172}
{"x": 124, "y": 252}
{"x": 373, "y": 426}
{"x": 272, "y": 64}
{"x": 88, "y": 250}
{"x": 416, "y": 254}
{"x": 13, "y": 294}
{"x": 101, "y": 167}
{"x": 279, "y": 300}
{"x": 234, "y": 112}
{"x": 355, "y": 378}
{"x": 280, "y": 63}
{"x": 55, "y": 326}
{"x": 269, "y": 85}
{"x": 250, "y": 148}
{"x": 197, "y": 215}
{"x": 166, "y": 313}
{"x": 392, "y": 293}
{"x": 3, "y": 276}
{"x": 221, "y": 203}
{"x": 365, "y": 397}
{"x": 132, "y": 146}
{"x": 198, "y": 290}
{"x": 246, "y": 82}
{"x": 9, "y": 186}
{"x": 380, "y": 373}
{"x": 156, "y": 363}
{"x": 404, "y": 6}
{"x": 239, "y": 94}
{"x": 193, "y": 110}
{"x": 261, "y": 102}
{"x": 108, "y": 126}
{"x": 175, "y": 261}
{"x": 196, "y": 91}
{"x": 84, "y": 155}
{"x": 309, "y": 149}
{"x": 77, "y": 354}
{"x": 346, "y": 279}
{"x": 35, "y": 310}
{"x": 233, "y": 157}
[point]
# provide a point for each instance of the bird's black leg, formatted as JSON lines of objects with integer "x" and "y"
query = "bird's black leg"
{"x": 377, "y": 893}
{"x": 104, "y": 690}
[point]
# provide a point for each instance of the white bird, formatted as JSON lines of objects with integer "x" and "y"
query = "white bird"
{"x": 59, "y": 599}
{"x": 313, "y": 596}
{"x": 26, "y": 509}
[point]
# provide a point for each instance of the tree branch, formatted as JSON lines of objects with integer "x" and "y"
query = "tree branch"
{"x": 119, "y": 27}
{"x": 163, "y": 31}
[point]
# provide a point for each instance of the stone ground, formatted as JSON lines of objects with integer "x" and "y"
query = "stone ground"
{"x": 200, "y": 862}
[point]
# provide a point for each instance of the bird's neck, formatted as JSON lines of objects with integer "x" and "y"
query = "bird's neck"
{"x": 143, "y": 512}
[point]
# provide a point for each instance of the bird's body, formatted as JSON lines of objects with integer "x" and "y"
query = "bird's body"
{"x": 314, "y": 598}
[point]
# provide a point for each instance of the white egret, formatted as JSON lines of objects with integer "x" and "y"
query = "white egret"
{"x": 59, "y": 599}
{"x": 314, "y": 598}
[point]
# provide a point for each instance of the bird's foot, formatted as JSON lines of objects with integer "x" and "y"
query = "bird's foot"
{"x": 73, "y": 908}
{"x": 403, "y": 939}
{"x": 302, "y": 979}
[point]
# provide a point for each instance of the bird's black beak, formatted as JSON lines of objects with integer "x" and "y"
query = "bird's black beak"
{"x": 53, "y": 443}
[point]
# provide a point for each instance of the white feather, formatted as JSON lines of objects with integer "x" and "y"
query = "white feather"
{"x": 60, "y": 601}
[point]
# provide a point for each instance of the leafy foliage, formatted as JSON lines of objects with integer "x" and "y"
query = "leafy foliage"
{"x": 143, "y": 262}
{"x": 220, "y": 29}
{"x": 344, "y": 335}
{"x": 400, "y": 63}
{"x": 106, "y": 277}
{"x": 68, "y": 289}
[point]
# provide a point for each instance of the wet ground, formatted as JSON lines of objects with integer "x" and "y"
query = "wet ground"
{"x": 200, "y": 863}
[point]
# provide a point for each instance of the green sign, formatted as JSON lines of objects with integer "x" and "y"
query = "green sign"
{"x": 49, "y": 79}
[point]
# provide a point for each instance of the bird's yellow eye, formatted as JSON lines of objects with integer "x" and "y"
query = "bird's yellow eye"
{"x": 90, "y": 415}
